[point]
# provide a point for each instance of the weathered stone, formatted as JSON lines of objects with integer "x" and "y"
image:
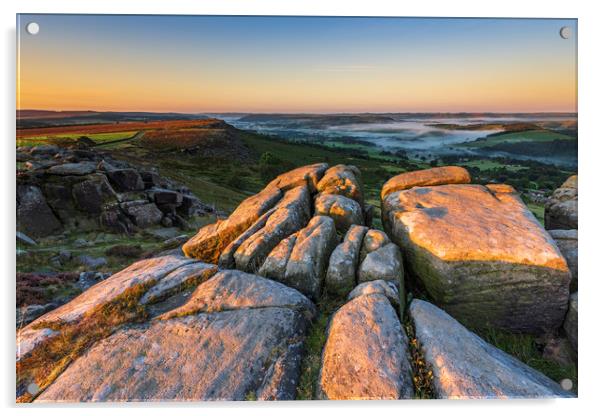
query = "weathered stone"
{"x": 167, "y": 197}
{"x": 28, "y": 338}
{"x": 290, "y": 215}
{"x": 381, "y": 287}
{"x": 193, "y": 273}
{"x": 568, "y": 244}
{"x": 428, "y": 177}
{"x": 90, "y": 262}
{"x": 191, "y": 206}
{"x": 144, "y": 214}
{"x": 238, "y": 336}
{"x": 126, "y": 179}
{"x": 385, "y": 263}
{"x": 561, "y": 210}
{"x": 94, "y": 194}
{"x": 34, "y": 216}
{"x": 366, "y": 353}
{"x": 342, "y": 180}
{"x": 373, "y": 240}
{"x": 308, "y": 175}
{"x": 211, "y": 240}
{"x": 306, "y": 267}
{"x": 344, "y": 211}
{"x": 75, "y": 169}
{"x": 216, "y": 356}
{"x": 342, "y": 266}
{"x": 139, "y": 273}
{"x": 226, "y": 258}
{"x": 481, "y": 255}
{"x": 571, "y": 321}
{"x": 44, "y": 150}
{"x": 274, "y": 266}
{"x": 28, "y": 313}
{"x": 466, "y": 367}
{"x": 233, "y": 289}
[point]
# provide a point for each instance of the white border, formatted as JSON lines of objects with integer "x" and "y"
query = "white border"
{"x": 589, "y": 158}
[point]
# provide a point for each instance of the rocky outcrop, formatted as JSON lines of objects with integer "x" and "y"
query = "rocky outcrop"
{"x": 373, "y": 240}
{"x": 239, "y": 337}
{"x": 480, "y": 254}
{"x": 344, "y": 211}
{"x": 464, "y": 366}
{"x": 567, "y": 242}
{"x": 570, "y": 322}
{"x": 381, "y": 287}
{"x": 341, "y": 273}
{"x": 344, "y": 180}
{"x": 34, "y": 216}
{"x": 366, "y": 353}
{"x": 382, "y": 264}
{"x": 307, "y": 263}
{"x": 290, "y": 215}
{"x": 87, "y": 190}
{"x": 561, "y": 210}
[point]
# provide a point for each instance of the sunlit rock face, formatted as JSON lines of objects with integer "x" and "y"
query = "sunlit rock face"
{"x": 239, "y": 336}
{"x": 466, "y": 367}
{"x": 342, "y": 180}
{"x": 212, "y": 240}
{"x": 481, "y": 255}
{"x": 344, "y": 211}
{"x": 428, "y": 177}
{"x": 561, "y": 210}
{"x": 366, "y": 353}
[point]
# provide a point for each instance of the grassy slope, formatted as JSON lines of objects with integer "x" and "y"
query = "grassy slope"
{"x": 525, "y": 136}
{"x": 96, "y": 137}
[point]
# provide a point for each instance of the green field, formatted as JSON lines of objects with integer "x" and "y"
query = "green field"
{"x": 485, "y": 164}
{"x": 66, "y": 138}
{"x": 523, "y": 136}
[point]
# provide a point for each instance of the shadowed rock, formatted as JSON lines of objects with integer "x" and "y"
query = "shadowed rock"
{"x": 466, "y": 367}
{"x": 274, "y": 266}
{"x": 241, "y": 336}
{"x": 366, "y": 353}
{"x": 382, "y": 264}
{"x": 561, "y": 210}
{"x": 291, "y": 214}
{"x": 75, "y": 169}
{"x": 340, "y": 276}
{"x": 481, "y": 255}
{"x": 34, "y": 216}
{"x": 308, "y": 261}
{"x": 373, "y": 240}
{"x": 427, "y": 177}
{"x": 567, "y": 242}
{"x": 344, "y": 211}
{"x": 571, "y": 321}
{"x": 342, "y": 180}
{"x": 211, "y": 240}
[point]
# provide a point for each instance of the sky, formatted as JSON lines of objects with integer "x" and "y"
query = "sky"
{"x": 199, "y": 64}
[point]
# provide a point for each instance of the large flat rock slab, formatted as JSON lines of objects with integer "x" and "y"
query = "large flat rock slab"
{"x": 231, "y": 355}
{"x": 466, "y": 367}
{"x": 366, "y": 353}
{"x": 481, "y": 255}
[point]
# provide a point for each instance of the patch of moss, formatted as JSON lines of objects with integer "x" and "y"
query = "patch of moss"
{"x": 422, "y": 373}
{"x": 314, "y": 344}
{"x": 49, "y": 359}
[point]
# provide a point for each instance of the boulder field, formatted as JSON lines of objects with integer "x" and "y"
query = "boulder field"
{"x": 226, "y": 317}
{"x": 62, "y": 188}
{"x": 478, "y": 251}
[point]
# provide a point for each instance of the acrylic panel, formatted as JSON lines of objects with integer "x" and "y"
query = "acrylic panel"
{"x": 295, "y": 208}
